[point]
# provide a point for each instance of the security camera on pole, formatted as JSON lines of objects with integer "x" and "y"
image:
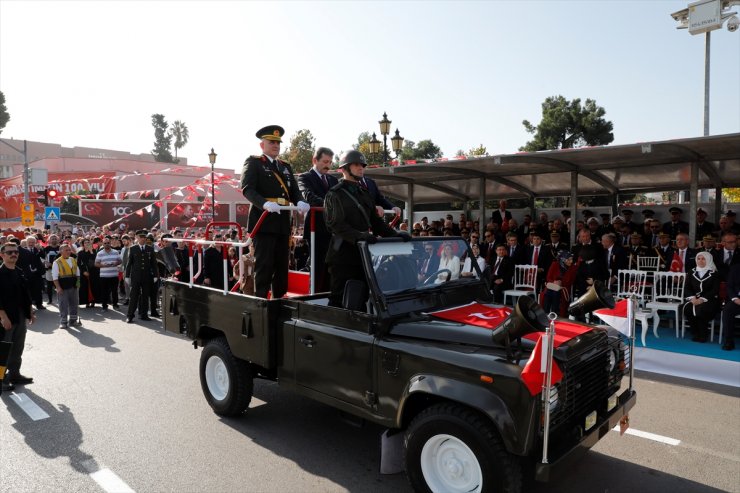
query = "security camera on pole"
{"x": 706, "y": 16}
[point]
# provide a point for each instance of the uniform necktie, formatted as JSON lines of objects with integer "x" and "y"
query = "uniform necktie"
{"x": 728, "y": 257}
{"x": 326, "y": 182}
{"x": 511, "y": 252}
{"x": 495, "y": 267}
{"x": 363, "y": 184}
{"x": 536, "y": 255}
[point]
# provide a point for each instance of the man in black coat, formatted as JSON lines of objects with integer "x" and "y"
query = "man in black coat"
{"x": 314, "y": 185}
{"x": 684, "y": 257}
{"x": 537, "y": 254}
{"x": 350, "y": 215}
{"x": 501, "y": 216}
{"x": 141, "y": 270}
{"x": 502, "y": 273}
{"x": 727, "y": 256}
{"x": 381, "y": 203}
{"x": 213, "y": 265}
{"x": 703, "y": 227}
{"x": 664, "y": 251}
{"x": 268, "y": 183}
{"x": 428, "y": 263}
{"x": 615, "y": 257}
{"x": 514, "y": 250}
{"x": 732, "y": 308}
{"x": 675, "y": 225}
{"x": 15, "y": 309}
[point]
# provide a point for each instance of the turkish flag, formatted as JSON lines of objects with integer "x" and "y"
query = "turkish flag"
{"x": 616, "y": 317}
{"x": 535, "y": 371}
{"x": 676, "y": 263}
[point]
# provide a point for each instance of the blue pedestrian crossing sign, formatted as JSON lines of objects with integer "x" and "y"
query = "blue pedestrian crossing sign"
{"x": 52, "y": 214}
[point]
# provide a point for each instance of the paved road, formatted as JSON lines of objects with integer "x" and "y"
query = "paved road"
{"x": 126, "y": 413}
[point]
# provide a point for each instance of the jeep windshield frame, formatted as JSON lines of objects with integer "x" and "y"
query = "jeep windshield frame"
{"x": 393, "y": 268}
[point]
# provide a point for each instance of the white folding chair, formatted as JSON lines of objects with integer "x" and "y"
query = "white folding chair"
{"x": 525, "y": 282}
{"x": 647, "y": 262}
{"x": 632, "y": 283}
{"x": 667, "y": 296}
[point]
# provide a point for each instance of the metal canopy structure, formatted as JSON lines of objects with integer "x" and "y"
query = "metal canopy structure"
{"x": 607, "y": 170}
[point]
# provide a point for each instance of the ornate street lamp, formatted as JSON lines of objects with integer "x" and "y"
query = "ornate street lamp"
{"x": 396, "y": 140}
{"x": 374, "y": 145}
{"x": 212, "y": 159}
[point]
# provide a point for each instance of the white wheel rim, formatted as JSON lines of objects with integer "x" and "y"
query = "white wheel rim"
{"x": 449, "y": 465}
{"x": 217, "y": 378}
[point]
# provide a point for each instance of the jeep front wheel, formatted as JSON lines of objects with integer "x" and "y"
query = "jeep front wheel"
{"x": 226, "y": 381}
{"x": 449, "y": 448}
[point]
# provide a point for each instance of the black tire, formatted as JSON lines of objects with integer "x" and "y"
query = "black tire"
{"x": 467, "y": 445}
{"x": 226, "y": 381}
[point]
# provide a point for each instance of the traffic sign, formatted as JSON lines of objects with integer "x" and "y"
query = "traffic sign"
{"x": 52, "y": 214}
{"x": 27, "y": 214}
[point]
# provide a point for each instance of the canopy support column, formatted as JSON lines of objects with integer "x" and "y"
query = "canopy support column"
{"x": 410, "y": 205}
{"x": 717, "y": 205}
{"x": 482, "y": 220}
{"x": 573, "y": 205}
{"x": 694, "y": 203}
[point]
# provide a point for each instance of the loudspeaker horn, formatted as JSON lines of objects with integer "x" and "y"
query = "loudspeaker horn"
{"x": 597, "y": 296}
{"x": 526, "y": 318}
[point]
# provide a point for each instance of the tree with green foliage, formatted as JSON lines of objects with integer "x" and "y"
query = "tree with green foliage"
{"x": 181, "y": 134}
{"x": 162, "y": 140}
{"x": 4, "y": 115}
{"x": 479, "y": 151}
{"x": 568, "y": 124}
{"x": 363, "y": 145}
{"x": 424, "y": 149}
{"x": 300, "y": 151}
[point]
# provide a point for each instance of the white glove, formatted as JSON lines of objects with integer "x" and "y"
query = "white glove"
{"x": 270, "y": 207}
{"x": 397, "y": 211}
{"x": 303, "y": 207}
{"x": 380, "y": 210}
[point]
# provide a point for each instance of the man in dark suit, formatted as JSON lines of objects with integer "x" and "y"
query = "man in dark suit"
{"x": 502, "y": 273}
{"x": 141, "y": 269}
{"x": 313, "y": 185}
{"x": 652, "y": 239}
{"x": 381, "y": 203}
{"x": 615, "y": 258}
{"x": 583, "y": 238}
{"x": 213, "y": 265}
{"x": 703, "y": 227}
{"x": 514, "y": 250}
{"x": 664, "y": 251}
{"x": 727, "y": 256}
{"x": 429, "y": 263}
{"x": 684, "y": 258}
{"x": 501, "y": 216}
{"x": 675, "y": 225}
{"x": 635, "y": 250}
{"x": 269, "y": 183}
{"x": 732, "y": 307}
{"x": 537, "y": 254}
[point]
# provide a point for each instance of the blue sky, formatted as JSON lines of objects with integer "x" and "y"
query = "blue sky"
{"x": 460, "y": 73}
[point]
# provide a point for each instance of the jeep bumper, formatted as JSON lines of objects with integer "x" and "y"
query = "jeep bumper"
{"x": 545, "y": 472}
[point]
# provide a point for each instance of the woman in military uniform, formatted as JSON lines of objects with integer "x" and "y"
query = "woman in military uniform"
{"x": 350, "y": 215}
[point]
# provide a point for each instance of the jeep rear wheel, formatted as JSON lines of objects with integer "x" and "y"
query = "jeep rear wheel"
{"x": 451, "y": 449}
{"x": 226, "y": 381}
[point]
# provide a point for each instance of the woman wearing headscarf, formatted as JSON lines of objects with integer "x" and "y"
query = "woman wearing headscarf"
{"x": 560, "y": 279}
{"x": 701, "y": 291}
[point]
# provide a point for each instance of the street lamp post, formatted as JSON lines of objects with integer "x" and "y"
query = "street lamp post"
{"x": 705, "y": 16}
{"x": 212, "y": 159}
{"x": 396, "y": 141}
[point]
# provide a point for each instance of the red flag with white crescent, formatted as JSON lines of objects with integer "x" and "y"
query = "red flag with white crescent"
{"x": 535, "y": 370}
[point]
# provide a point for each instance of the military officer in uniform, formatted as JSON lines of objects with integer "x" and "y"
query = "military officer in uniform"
{"x": 636, "y": 249}
{"x": 350, "y": 214}
{"x": 664, "y": 252}
{"x": 268, "y": 183}
{"x": 675, "y": 225}
{"x": 141, "y": 270}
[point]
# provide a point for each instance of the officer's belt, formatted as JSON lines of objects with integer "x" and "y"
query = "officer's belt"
{"x": 278, "y": 200}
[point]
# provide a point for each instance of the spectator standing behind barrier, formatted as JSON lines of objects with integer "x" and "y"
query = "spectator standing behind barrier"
{"x": 125, "y": 249}
{"x": 140, "y": 270}
{"x": 213, "y": 261}
{"x": 66, "y": 276}
{"x": 36, "y": 272}
{"x": 89, "y": 275}
{"x": 15, "y": 309}
{"x": 51, "y": 252}
{"x": 108, "y": 260}
{"x": 314, "y": 185}
{"x": 269, "y": 183}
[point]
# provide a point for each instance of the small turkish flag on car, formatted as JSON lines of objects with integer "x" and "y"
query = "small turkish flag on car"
{"x": 535, "y": 370}
{"x": 616, "y": 317}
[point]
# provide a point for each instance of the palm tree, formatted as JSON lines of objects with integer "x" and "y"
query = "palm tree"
{"x": 181, "y": 134}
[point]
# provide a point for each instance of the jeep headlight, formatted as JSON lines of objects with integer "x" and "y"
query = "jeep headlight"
{"x": 613, "y": 357}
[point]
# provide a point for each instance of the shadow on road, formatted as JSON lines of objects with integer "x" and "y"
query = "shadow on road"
{"x": 315, "y": 437}
{"x": 92, "y": 339}
{"x": 59, "y": 435}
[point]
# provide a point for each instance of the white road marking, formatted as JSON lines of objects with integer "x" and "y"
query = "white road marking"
{"x": 106, "y": 478}
{"x": 650, "y": 436}
{"x": 28, "y": 406}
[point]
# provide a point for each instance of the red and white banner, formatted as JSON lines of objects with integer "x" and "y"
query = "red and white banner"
{"x": 131, "y": 214}
{"x": 535, "y": 370}
{"x": 187, "y": 214}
